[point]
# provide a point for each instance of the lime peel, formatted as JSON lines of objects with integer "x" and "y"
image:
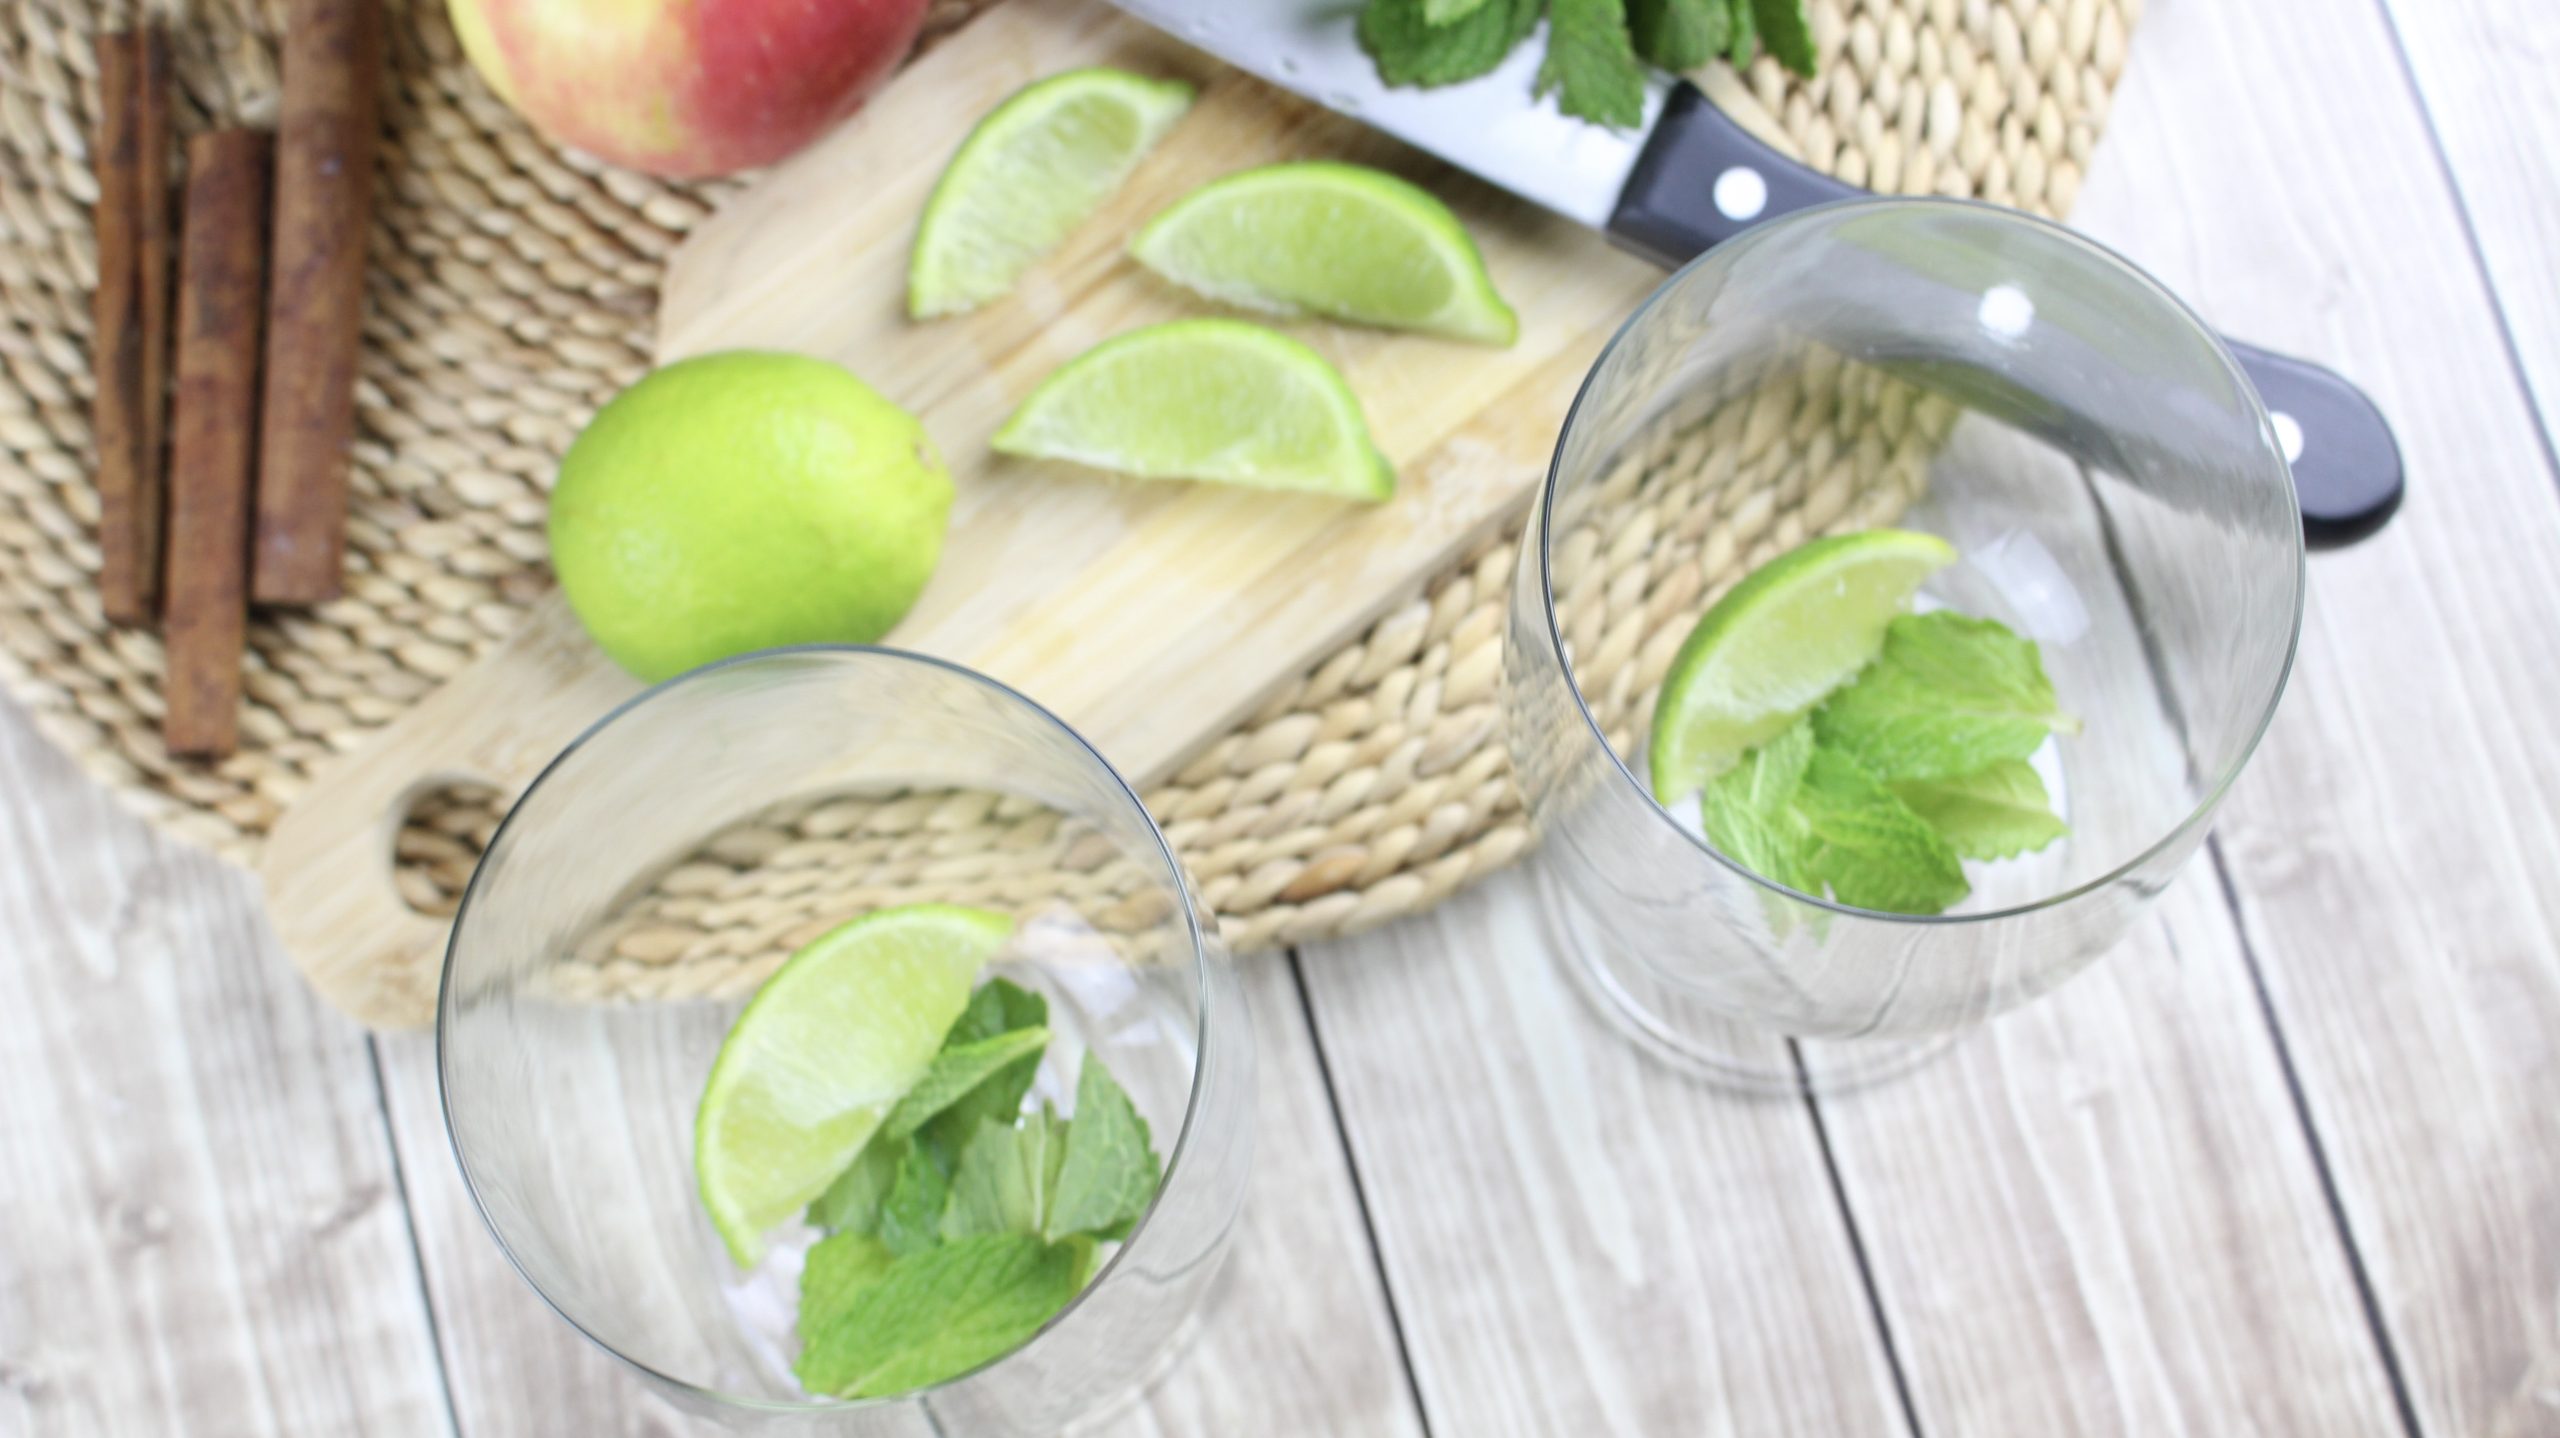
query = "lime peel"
{"x": 1320, "y": 237}
{"x": 1032, "y": 170}
{"x": 822, "y": 1053}
{"x": 1208, "y": 399}
{"x": 1792, "y": 631}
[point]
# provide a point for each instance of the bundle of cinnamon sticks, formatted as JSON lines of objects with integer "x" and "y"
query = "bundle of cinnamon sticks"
{"x": 251, "y": 504}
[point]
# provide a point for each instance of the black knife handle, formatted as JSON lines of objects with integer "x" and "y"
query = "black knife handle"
{"x": 2346, "y": 464}
{"x": 1701, "y": 179}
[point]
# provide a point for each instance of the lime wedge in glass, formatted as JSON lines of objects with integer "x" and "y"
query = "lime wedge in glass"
{"x": 1031, "y": 171}
{"x": 1338, "y": 240}
{"x": 1204, "y": 399}
{"x": 822, "y": 1053}
{"x": 1792, "y": 631}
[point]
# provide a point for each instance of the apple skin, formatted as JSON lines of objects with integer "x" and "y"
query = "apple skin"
{"x": 686, "y": 88}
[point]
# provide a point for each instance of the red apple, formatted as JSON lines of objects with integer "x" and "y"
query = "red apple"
{"x": 686, "y": 88}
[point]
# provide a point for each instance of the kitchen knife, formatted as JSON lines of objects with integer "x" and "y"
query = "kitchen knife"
{"x": 1688, "y": 177}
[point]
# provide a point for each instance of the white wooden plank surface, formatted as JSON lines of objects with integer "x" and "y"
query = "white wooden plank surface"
{"x": 199, "y": 1227}
{"x": 1578, "y": 1241}
{"x": 1297, "y": 1338}
{"x": 2099, "y": 1215}
{"x": 2396, "y": 844}
{"x": 2485, "y": 70}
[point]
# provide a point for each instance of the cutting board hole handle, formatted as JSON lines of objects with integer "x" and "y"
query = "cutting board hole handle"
{"x": 445, "y": 822}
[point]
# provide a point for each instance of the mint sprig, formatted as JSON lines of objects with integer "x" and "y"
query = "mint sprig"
{"x": 1410, "y": 49}
{"x": 998, "y": 1007}
{"x": 1006, "y": 1177}
{"x": 1110, "y": 1172}
{"x": 938, "y": 1313}
{"x": 1950, "y": 695}
{"x": 947, "y": 1248}
{"x": 1867, "y": 846}
{"x": 852, "y": 1203}
{"x": 1749, "y": 810}
{"x": 1916, "y": 764}
{"x": 1591, "y": 62}
{"x": 911, "y": 1214}
{"x": 1785, "y": 29}
{"x": 1593, "y": 46}
{"x": 958, "y": 1071}
{"x": 1998, "y": 813}
{"x": 1680, "y": 34}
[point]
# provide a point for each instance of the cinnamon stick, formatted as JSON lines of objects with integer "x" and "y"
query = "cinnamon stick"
{"x": 323, "y": 206}
{"x": 221, "y": 309}
{"x": 130, "y": 334}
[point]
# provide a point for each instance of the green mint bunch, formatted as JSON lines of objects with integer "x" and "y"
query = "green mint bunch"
{"x": 1918, "y": 763}
{"x": 965, "y": 1224}
{"x": 1595, "y": 48}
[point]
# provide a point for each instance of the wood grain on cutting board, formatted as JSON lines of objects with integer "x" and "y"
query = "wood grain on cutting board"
{"x": 1151, "y": 616}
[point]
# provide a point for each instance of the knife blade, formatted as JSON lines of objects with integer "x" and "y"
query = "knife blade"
{"x": 1687, "y": 178}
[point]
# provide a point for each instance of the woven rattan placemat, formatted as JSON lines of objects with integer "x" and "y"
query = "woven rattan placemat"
{"x": 511, "y": 291}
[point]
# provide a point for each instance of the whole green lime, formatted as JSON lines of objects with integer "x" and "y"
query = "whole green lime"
{"x": 745, "y": 500}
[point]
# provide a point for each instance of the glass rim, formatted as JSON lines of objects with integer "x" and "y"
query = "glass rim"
{"x": 1200, "y": 959}
{"x": 2205, "y": 805}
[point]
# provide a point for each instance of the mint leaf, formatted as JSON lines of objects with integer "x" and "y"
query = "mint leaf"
{"x": 1787, "y": 31}
{"x": 1998, "y": 813}
{"x": 1111, "y": 1170}
{"x": 835, "y": 1272}
{"x": 957, "y": 1071}
{"x": 1868, "y": 846}
{"x": 852, "y": 1203}
{"x": 1006, "y": 1176}
{"x": 1767, "y": 778}
{"x": 1950, "y": 695}
{"x": 1410, "y": 50}
{"x": 937, "y": 1314}
{"x": 911, "y": 1216}
{"x": 1679, "y": 34}
{"x": 999, "y": 1006}
{"x": 1749, "y": 810}
{"x": 1441, "y": 12}
{"x": 1591, "y": 65}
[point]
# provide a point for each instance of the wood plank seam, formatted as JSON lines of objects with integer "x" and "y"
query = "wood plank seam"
{"x": 1857, "y": 1237}
{"x": 1359, "y": 1193}
{"x": 417, "y": 1247}
{"x": 2509, "y": 345}
{"x": 2385, "y": 1348}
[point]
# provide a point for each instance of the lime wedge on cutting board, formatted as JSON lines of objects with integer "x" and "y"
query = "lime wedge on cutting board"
{"x": 1792, "y": 631}
{"x": 1209, "y": 399}
{"x": 1343, "y": 241}
{"x": 822, "y": 1054}
{"x": 1031, "y": 171}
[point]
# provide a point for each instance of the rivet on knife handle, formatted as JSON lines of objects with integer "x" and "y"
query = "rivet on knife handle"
{"x": 1702, "y": 179}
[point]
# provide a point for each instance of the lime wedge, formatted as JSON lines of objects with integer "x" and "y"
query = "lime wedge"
{"x": 1031, "y": 171}
{"x": 822, "y": 1053}
{"x": 1339, "y": 240}
{"x": 1204, "y": 399}
{"x": 1792, "y": 631}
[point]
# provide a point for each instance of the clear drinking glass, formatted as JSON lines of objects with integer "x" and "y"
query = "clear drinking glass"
{"x": 2116, "y": 493}
{"x": 674, "y": 856}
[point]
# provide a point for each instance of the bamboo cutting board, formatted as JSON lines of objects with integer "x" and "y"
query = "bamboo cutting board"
{"x": 1151, "y": 616}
